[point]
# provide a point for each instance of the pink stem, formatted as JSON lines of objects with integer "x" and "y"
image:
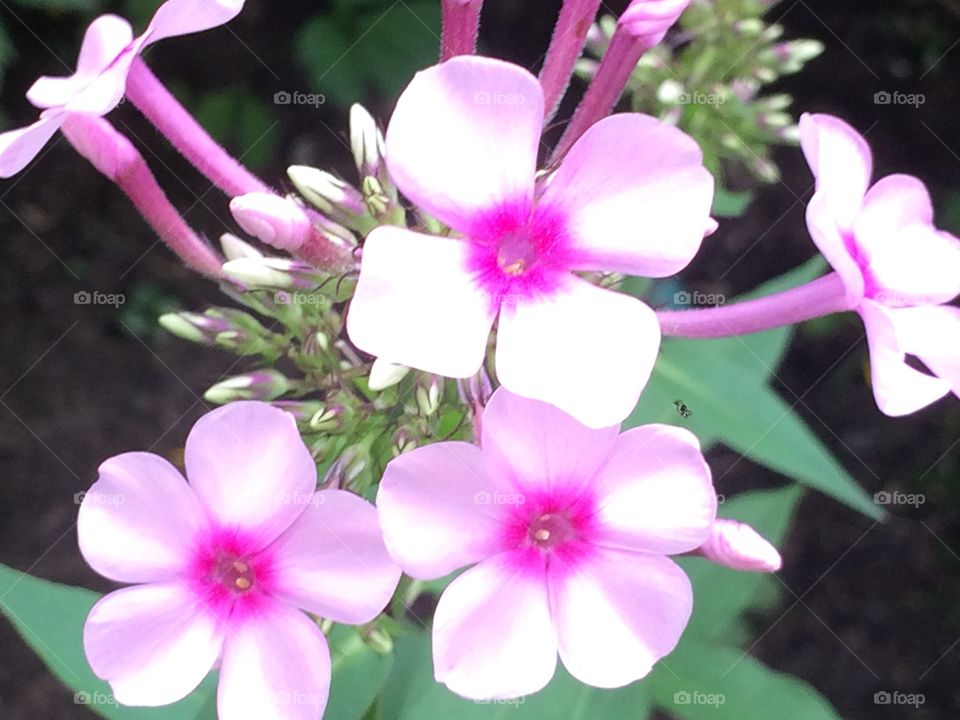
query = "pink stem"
{"x": 569, "y": 35}
{"x": 170, "y": 117}
{"x": 115, "y": 156}
{"x": 461, "y": 25}
{"x": 820, "y": 297}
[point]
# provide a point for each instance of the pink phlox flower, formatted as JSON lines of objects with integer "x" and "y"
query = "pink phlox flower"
{"x": 631, "y": 196}
{"x": 98, "y": 85}
{"x": 567, "y": 530}
{"x": 221, "y": 565}
{"x": 899, "y": 270}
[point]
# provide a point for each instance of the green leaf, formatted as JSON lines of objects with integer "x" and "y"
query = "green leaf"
{"x": 724, "y": 384}
{"x": 730, "y": 204}
{"x": 720, "y": 595}
{"x": 358, "y": 674}
{"x": 700, "y": 681}
{"x": 412, "y": 694}
{"x": 50, "y": 617}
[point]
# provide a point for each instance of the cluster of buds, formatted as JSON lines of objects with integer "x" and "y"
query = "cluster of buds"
{"x": 708, "y": 79}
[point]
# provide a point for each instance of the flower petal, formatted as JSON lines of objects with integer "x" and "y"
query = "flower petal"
{"x": 492, "y": 632}
{"x": 332, "y": 561}
{"x": 183, "y": 17}
{"x": 933, "y": 335}
{"x": 139, "y": 520}
{"x": 618, "y": 614}
{"x": 152, "y": 643}
{"x": 829, "y": 240}
{"x": 636, "y": 195}
{"x": 909, "y": 262}
{"x": 104, "y": 40}
{"x": 897, "y": 387}
{"x": 655, "y": 493}
{"x": 841, "y": 162}
{"x": 437, "y": 509}
{"x": 18, "y": 147}
{"x": 250, "y": 469}
{"x": 416, "y": 304}
{"x": 464, "y": 138}
{"x": 275, "y": 665}
{"x": 586, "y": 350}
{"x": 538, "y": 445}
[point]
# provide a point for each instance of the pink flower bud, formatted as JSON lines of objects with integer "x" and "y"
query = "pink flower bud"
{"x": 277, "y": 221}
{"x": 736, "y": 545}
{"x": 652, "y": 18}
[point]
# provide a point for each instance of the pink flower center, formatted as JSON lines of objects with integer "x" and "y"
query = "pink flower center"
{"x": 229, "y": 576}
{"x": 234, "y": 573}
{"x": 516, "y": 253}
{"x": 550, "y": 530}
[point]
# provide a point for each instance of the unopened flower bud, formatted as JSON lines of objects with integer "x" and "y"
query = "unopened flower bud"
{"x": 235, "y": 248}
{"x": 428, "y": 395}
{"x": 335, "y": 198}
{"x": 366, "y": 142}
{"x": 403, "y": 441}
{"x": 375, "y": 197}
{"x": 736, "y": 545}
{"x": 259, "y": 385}
{"x": 194, "y": 327}
{"x": 670, "y": 92}
{"x": 328, "y": 419}
{"x": 275, "y": 220}
{"x": 277, "y": 273}
{"x": 384, "y": 374}
{"x": 748, "y": 27}
{"x": 650, "y": 19}
{"x": 302, "y": 410}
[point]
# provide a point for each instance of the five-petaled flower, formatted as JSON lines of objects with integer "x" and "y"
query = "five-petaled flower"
{"x": 898, "y": 269}
{"x": 108, "y": 50}
{"x": 222, "y": 564}
{"x": 569, "y": 528}
{"x": 631, "y": 196}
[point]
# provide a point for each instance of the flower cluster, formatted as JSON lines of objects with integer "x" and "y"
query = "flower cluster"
{"x": 458, "y": 256}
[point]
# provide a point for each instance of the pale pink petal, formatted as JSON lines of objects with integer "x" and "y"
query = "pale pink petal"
{"x": 636, "y": 195}
{"x": 332, "y": 561}
{"x": 492, "y": 632}
{"x": 104, "y": 93}
{"x": 464, "y": 138}
{"x": 152, "y": 643}
{"x": 539, "y": 446}
{"x": 275, "y": 665}
{"x": 841, "y": 162}
{"x": 183, "y": 17}
{"x": 933, "y": 335}
{"x": 105, "y": 39}
{"x": 738, "y": 546}
{"x": 655, "y": 492}
{"x": 618, "y": 614}
{"x": 909, "y": 262}
{"x": 439, "y": 509}
{"x": 830, "y": 241}
{"x": 139, "y": 520}
{"x": 416, "y": 304}
{"x": 586, "y": 350}
{"x": 18, "y": 147}
{"x": 897, "y": 387}
{"x": 250, "y": 468}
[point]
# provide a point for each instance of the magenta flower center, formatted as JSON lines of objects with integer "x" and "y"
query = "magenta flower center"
{"x": 550, "y": 530}
{"x": 516, "y": 252}
{"x": 234, "y": 573}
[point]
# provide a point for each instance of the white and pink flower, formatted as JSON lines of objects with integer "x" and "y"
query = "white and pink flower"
{"x": 221, "y": 565}
{"x": 631, "y": 196}
{"x": 568, "y": 530}
{"x": 898, "y": 269}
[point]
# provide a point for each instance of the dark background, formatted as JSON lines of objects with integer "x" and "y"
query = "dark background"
{"x": 877, "y": 606}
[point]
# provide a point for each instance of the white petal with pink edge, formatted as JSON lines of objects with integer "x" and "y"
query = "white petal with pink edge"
{"x": 586, "y": 350}
{"x": 21, "y": 145}
{"x": 332, "y": 561}
{"x": 417, "y": 305}
{"x": 841, "y": 162}
{"x": 183, "y": 17}
{"x": 618, "y": 614}
{"x": 655, "y": 492}
{"x": 540, "y": 446}
{"x": 897, "y": 387}
{"x": 275, "y": 665}
{"x": 152, "y": 643}
{"x": 492, "y": 632}
{"x": 438, "y": 509}
{"x": 933, "y": 335}
{"x": 829, "y": 240}
{"x": 636, "y": 196}
{"x": 250, "y": 469}
{"x": 139, "y": 521}
{"x": 464, "y": 138}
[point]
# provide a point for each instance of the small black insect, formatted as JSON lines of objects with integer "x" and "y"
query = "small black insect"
{"x": 682, "y": 409}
